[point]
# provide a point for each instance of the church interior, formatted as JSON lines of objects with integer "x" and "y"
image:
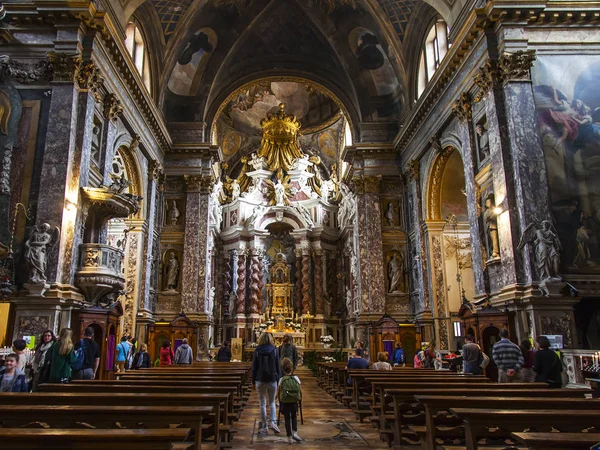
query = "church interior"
{"x": 377, "y": 171}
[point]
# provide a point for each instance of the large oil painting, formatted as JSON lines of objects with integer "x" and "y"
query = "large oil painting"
{"x": 567, "y": 100}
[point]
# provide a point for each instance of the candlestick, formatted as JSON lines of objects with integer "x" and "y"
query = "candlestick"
{"x": 581, "y": 361}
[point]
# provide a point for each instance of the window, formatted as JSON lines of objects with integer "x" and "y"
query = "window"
{"x": 434, "y": 49}
{"x": 136, "y": 47}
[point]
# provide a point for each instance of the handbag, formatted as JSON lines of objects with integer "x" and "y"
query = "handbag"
{"x": 485, "y": 360}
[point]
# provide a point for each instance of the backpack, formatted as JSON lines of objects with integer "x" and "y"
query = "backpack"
{"x": 289, "y": 390}
{"x": 77, "y": 365}
{"x": 398, "y": 356}
{"x": 266, "y": 369}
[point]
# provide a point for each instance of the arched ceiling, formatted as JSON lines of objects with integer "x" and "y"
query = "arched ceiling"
{"x": 356, "y": 49}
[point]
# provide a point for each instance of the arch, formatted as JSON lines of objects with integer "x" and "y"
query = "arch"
{"x": 289, "y": 216}
{"x": 215, "y": 111}
{"x": 435, "y": 184}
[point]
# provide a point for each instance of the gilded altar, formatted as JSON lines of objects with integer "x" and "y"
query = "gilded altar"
{"x": 280, "y": 289}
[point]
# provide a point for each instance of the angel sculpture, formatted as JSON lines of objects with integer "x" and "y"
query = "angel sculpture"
{"x": 36, "y": 251}
{"x": 547, "y": 248}
{"x": 119, "y": 184}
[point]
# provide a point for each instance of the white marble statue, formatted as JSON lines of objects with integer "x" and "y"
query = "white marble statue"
{"x": 305, "y": 213}
{"x": 256, "y": 162}
{"x": 235, "y": 190}
{"x": 210, "y": 301}
{"x": 257, "y": 214}
{"x": 215, "y": 205}
{"x": 300, "y": 163}
{"x": 36, "y": 252}
{"x": 326, "y": 187}
{"x": 279, "y": 189}
{"x": 172, "y": 272}
{"x": 174, "y": 214}
{"x": 347, "y": 207}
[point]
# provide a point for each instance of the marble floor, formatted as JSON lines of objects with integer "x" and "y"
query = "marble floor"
{"x": 327, "y": 424}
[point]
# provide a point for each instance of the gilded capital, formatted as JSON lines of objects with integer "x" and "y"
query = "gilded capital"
{"x": 89, "y": 79}
{"x": 155, "y": 170}
{"x": 112, "y": 107}
{"x": 462, "y": 108}
{"x": 198, "y": 183}
{"x": 413, "y": 172}
{"x": 372, "y": 184}
{"x": 509, "y": 67}
{"x": 64, "y": 66}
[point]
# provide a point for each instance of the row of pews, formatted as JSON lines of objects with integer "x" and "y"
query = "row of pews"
{"x": 446, "y": 410}
{"x": 167, "y": 408}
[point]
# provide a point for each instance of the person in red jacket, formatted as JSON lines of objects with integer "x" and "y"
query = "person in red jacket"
{"x": 166, "y": 354}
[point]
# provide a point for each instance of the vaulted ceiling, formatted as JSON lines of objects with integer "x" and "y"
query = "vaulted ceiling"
{"x": 361, "y": 51}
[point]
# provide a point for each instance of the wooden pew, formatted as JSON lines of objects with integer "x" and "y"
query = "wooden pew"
{"x": 93, "y": 439}
{"x": 402, "y": 398}
{"x": 68, "y": 416}
{"x": 434, "y": 404}
{"x": 476, "y": 420}
{"x": 553, "y": 441}
{"x": 221, "y": 420}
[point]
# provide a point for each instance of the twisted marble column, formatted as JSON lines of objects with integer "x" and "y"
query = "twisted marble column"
{"x": 306, "y": 282}
{"x": 332, "y": 281}
{"x": 319, "y": 303}
{"x": 241, "y": 288}
{"x": 255, "y": 292}
{"x": 227, "y": 278}
{"x": 298, "y": 291}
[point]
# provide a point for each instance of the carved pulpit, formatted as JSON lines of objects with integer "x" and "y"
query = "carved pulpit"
{"x": 279, "y": 291}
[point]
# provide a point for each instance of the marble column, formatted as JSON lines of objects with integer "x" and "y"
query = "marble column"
{"x": 370, "y": 244}
{"x": 298, "y": 289}
{"x": 462, "y": 110}
{"x": 240, "y": 309}
{"x": 255, "y": 282}
{"x": 112, "y": 109}
{"x": 227, "y": 284}
{"x": 154, "y": 173}
{"x": 518, "y": 164}
{"x": 318, "y": 265}
{"x": 66, "y": 159}
{"x": 195, "y": 253}
{"x": 306, "y": 306}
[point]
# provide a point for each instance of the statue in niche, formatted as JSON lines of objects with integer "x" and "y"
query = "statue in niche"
{"x": 279, "y": 190}
{"x": 174, "y": 214}
{"x": 210, "y": 301}
{"x": 172, "y": 272}
{"x": 235, "y": 190}
{"x": 547, "y": 249}
{"x": 415, "y": 269}
{"x": 484, "y": 141}
{"x": 396, "y": 272}
{"x": 491, "y": 226}
{"x": 390, "y": 214}
{"x": 36, "y": 252}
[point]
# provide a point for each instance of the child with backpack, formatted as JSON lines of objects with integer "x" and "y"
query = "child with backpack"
{"x": 289, "y": 396}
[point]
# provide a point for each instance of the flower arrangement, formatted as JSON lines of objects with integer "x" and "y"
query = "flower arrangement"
{"x": 269, "y": 323}
{"x": 328, "y": 359}
{"x": 327, "y": 339}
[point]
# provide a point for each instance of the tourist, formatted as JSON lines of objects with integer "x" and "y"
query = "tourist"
{"x": 472, "y": 356}
{"x": 224, "y": 353}
{"x": 290, "y": 394}
{"x": 382, "y": 363}
{"x": 46, "y": 343}
{"x": 418, "y": 360}
{"x": 508, "y": 359}
{"x": 288, "y": 350}
{"x": 91, "y": 359}
{"x": 141, "y": 360}
{"x": 432, "y": 358}
{"x": 183, "y": 355}
{"x": 399, "y": 358}
{"x": 356, "y": 362}
{"x": 131, "y": 353}
{"x": 19, "y": 346}
{"x": 62, "y": 355}
{"x": 12, "y": 379}
{"x": 528, "y": 357}
{"x": 547, "y": 364}
{"x": 166, "y": 354}
{"x": 122, "y": 352}
{"x": 360, "y": 351}
{"x": 265, "y": 373}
